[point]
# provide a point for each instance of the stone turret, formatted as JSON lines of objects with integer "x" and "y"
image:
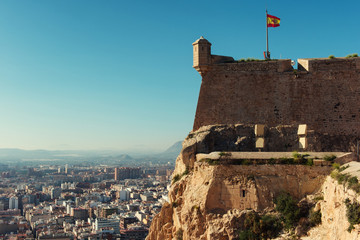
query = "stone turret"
{"x": 202, "y": 55}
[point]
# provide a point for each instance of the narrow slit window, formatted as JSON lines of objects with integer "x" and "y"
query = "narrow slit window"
{"x": 243, "y": 193}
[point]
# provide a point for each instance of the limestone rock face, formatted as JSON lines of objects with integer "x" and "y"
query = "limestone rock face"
{"x": 211, "y": 201}
{"x": 334, "y": 221}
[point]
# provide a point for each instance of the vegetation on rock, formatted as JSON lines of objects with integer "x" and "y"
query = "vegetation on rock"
{"x": 299, "y": 159}
{"x": 269, "y": 226}
{"x": 329, "y": 158}
{"x": 352, "y": 55}
{"x": 314, "y": 217}
{"x": 212, "y": 161}
{"x": 287, "y": 207}
{"x": 177, "y": 177}
{"x": 352, "y": 182}
{"x": 260, "y": 227}
{"x": 352, "y": 213}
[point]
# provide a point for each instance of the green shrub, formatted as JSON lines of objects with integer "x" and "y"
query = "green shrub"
{"x": 300, "y": 158}
{"x": 252, "y": 59}
{"x": 314, "y": 218}
{"x": 352, "y": 55}
{"x": 356, "y": 188}
{"x": 318, "y": 198}
{"x": 329, "y": 158}
{"x": 260, "y": 227}
{"x": 310, "y": 162}
{"x": 352, "y": 213}
{"x": 288, "y": 208}
{"x": 245, "y": 162}
{"x": 286, "y": 161}
{"x": 334, "y": 174}
{"x": 272, "y": 161}
{"x": 270, "y": 226}
{"x": 342, "y": 178}
{"x": 296, "y": 155}
{"x": 352, "y": 181}
{"x": 211, "y": 161}
{"x": 176, "y": 178}
{"x": 336, "y": 166}
{"x": 331, "y": 56}
{"x": 194, "y": 207}
{"x": 343, "y": 168}
{"x": 247, "y": 235}
{"x": 224, "y": 154}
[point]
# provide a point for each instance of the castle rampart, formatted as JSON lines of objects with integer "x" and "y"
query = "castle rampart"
{"x": 322, "y": 93}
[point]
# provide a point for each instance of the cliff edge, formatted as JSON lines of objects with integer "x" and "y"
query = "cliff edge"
{"x": 210, "y": 197}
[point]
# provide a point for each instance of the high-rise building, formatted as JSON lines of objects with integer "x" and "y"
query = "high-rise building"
{"x": 126, "y": 173}
{"x": 107, "y": 211}
{"x": 79, "y": 213}
{"x": 13, "y": 202}
{"x": 55, "y": 193}
{"x": 107, "y": 223}
{"x": 124, "y": 195}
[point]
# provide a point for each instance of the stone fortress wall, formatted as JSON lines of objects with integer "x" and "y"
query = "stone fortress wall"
{"x": 324, "y": 94}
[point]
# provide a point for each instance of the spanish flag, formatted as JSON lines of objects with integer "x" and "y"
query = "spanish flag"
{"x": 272, "y": 21}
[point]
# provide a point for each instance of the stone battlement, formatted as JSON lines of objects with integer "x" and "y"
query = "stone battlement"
{"x": 324, "y": 94}
{"x": 203, "y": 61}
{"x": 282, "y": 65}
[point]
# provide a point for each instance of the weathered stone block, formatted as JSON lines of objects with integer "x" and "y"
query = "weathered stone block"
{"x": 259, "y": 129}
{"x": 260, "y": 142}
{"x": 302, "y": 129}
{"x": 302, "y": 142}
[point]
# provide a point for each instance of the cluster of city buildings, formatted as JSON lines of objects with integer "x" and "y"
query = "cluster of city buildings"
{"x": 75, "y": 202}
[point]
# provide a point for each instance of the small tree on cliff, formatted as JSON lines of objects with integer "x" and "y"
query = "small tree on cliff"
{"x": 288, "y": 208}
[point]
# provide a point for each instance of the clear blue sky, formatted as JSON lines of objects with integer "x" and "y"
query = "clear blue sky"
{"x": 118, "y": 74}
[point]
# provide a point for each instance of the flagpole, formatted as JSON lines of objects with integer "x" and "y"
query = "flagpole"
{"x": 267, "y": 39}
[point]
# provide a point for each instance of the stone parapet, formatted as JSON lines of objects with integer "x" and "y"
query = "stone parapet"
{"x": 256, "y": 66}
{"x": 327, "y": 64}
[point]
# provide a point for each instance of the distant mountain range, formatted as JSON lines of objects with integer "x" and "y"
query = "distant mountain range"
{"x": 36, "y": 157}
{"x": 171, "y": 152}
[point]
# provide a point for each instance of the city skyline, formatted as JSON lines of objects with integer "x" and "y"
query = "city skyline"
{"x": 91, "y": 75}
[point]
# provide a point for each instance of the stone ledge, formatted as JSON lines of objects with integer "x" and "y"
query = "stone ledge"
{"x": 264, "y": 155}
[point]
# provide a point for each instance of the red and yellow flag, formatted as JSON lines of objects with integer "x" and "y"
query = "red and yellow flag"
{"x": 273, "y": 21}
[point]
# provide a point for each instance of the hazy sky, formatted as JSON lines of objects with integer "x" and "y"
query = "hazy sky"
{"x": 112, "y": 74}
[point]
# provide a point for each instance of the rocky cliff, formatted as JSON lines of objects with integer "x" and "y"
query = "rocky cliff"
{"x": 209, "y": 199}
{"x": 335, "y": 223}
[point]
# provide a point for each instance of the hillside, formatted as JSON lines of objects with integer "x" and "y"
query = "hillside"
{"x": 213, "y": 192}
